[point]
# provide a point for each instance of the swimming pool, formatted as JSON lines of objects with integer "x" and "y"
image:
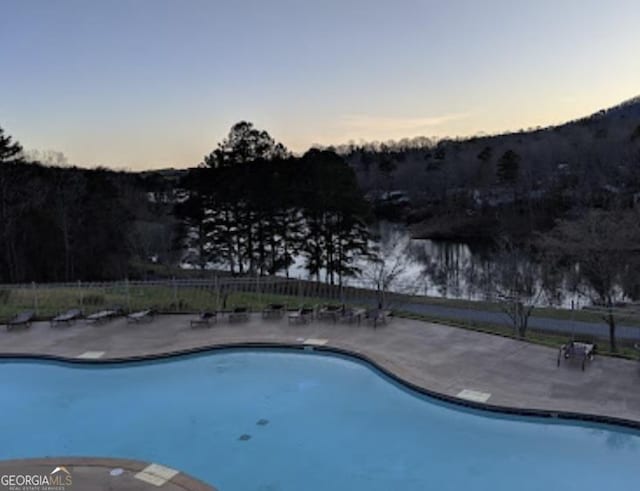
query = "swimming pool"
{"x": 285, "y": 420}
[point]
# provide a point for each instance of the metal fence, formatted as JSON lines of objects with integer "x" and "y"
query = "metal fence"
{"x": 224, "y": 292}
{"x": 181, "y": 295}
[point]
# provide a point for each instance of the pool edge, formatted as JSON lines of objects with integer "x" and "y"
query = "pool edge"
{"x": 482, "y": 406}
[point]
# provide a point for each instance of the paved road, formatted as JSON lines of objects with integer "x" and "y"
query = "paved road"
{"x": 588, "y": 329}
{"x": 540, "y": 323}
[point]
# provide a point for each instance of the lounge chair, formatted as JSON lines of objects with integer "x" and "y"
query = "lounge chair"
{"x": 351, "y": 315}
{"x": 301, "y": 315}
{"x": 581, "y": 351}
{"x": 377, "y": 316}
{"x": 330, "y": 312}
{"x": 274, "y": 311}
{"x": 140, "y": 316}
{"x": 67, "y": 318}
{"x": 239, "y": 314}
{"x": 204, "y": 319}
{"x": 23, "y": 319}
{"x": 104, "y": 315}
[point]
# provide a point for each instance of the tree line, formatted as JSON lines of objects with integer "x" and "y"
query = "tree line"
{"x": 67, "y": 223}
{"x": 251, "y": 207}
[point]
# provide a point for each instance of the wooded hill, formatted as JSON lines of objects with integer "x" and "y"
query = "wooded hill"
{"x": 514, "y": 183}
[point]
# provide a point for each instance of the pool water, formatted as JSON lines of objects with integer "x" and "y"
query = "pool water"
{"x": 284, "y": 420}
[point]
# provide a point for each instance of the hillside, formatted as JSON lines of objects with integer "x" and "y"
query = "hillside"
{"x": 516, "y": 182}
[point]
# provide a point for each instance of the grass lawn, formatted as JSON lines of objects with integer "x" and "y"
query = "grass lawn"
{"x": 582, "y": 315}
{"x": 48, "y": 302}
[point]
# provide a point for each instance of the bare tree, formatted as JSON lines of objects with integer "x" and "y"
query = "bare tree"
{"x": 602, "y": 248}
{"x": 53, "y": 158}
{"x": 516, "y": 284}
{"x": 388, "y": 263}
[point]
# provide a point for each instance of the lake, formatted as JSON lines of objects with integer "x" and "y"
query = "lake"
{"x": 441, "y": 268}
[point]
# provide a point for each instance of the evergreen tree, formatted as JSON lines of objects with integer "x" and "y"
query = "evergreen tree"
{"x": 193, "y": 213}
{"x": 253, "y": 207}
{"x": 335, "y": 213}
{"x": 9, "y": 151}
{"x": 245, "y": 144}
{"x": 508, "y": 167}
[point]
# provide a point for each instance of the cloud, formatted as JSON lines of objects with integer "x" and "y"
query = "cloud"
{"x": 392, "y": 125}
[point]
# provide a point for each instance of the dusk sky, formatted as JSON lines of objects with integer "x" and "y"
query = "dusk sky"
{"x": 156, "y": 83}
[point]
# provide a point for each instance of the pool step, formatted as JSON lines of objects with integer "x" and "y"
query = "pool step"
{"x": 91, "y": 355}
{"x": 316, "y": 341}
{"x": 156, "y": 474}
{"x": 473, "y": 395}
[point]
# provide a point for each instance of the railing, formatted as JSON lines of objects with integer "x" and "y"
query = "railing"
{"x": 180, "y": 295}
{"x": 224, "y": 292}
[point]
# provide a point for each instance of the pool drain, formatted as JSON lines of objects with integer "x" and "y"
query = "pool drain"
{"x": 262, "y": 422}
{"x": 244, "y": 438}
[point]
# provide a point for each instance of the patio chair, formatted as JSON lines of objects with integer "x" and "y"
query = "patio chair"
{"x": 23, "y": 319}
{"x": 204, "y": 319}
{"x": 302, "y": 315}
{"x": 581, "y": 351}
{"x": 140, "y": 316}
{"x": 239, "y": 314}
{"x": 274, "y": 311}
{"x": 66, "y": 318}
{"x": 330, "y": 312}
{"x": 351, "y": 315}
{"x": 377, "y": 316}
{"x": 104, "y": 315}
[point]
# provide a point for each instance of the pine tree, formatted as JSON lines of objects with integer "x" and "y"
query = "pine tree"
{"x": 9, "y": 151}
{"x": 508, "y": 167}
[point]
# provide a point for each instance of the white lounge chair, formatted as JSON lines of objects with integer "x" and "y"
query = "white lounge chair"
{"x": 68, "y": 317}
{"x": 140, "y": 316}
{"x": 104, "y": 315}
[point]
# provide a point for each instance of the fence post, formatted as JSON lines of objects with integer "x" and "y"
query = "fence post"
{"x": 81, "y": 296}
{"x": 35, "y": 297}
{"x": 258, "y": 290}
{"x": 126, "y": 286}
{"x": 175, "y": 293}
{"x": 217, "y": 289}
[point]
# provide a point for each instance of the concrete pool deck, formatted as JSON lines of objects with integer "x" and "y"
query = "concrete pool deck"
{"x": 453, "y": 362}
{"x": 99, "y": 474}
